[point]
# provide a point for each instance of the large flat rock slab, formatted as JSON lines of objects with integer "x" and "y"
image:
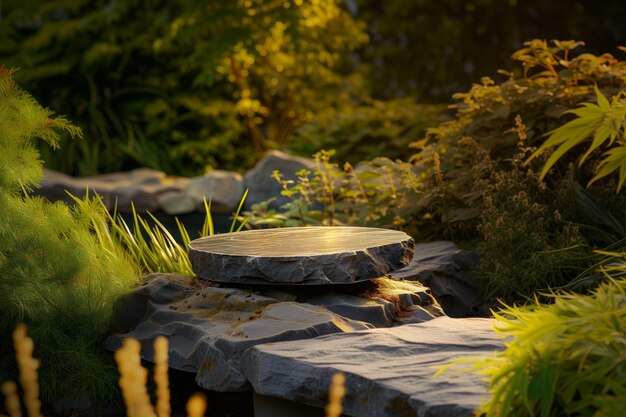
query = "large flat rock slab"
{"x": 301, "y": 255}
{"x": 210, "y": 327}
{"x": 389, "y": 371}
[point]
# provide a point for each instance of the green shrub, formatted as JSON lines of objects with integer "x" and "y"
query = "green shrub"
{"x": 526, "y": 243}
{"x": 554, "y": 82}
{"x": 378, "y": 193}
{"x": 533, "y": 230}
{"x": 59, "y": 270}
{"x": 562, "y": 359}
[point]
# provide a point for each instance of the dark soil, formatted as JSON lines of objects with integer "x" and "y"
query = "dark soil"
{"x": 182, "y": 386}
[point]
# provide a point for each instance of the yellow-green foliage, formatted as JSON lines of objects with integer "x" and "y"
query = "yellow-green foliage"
{"x": 152, "y": 247}
{"x": 59, "y": 270}
{"x": 562, "y": 359}
{"x": 555, "y": 80}
{"x": 22, "y": 120}
{"x": 533, "y": 235}
{"x": 602, "y": 122}
{"x": 377, "y": 193}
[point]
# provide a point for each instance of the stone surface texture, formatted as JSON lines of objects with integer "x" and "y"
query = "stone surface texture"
{"x": 209, "y": 328}
{"x": 259, "y": 179}
{"x": 449, "y": 273}
{"x": 140, "y": 187}
{"x": 223, "y": 188}
{"x": 301, "y": 255}
{"x": 389, "y": 371}
{"x": 176, "y": 203}
{"x": 153, "y": 190}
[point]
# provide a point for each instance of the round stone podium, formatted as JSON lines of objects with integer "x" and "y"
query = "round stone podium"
{"x": 301, "y": 255}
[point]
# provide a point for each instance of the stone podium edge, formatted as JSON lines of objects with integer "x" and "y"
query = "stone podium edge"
{"x": 324, "y": 269}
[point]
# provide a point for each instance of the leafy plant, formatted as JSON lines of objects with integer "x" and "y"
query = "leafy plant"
{"x": 532, "y": 234}
{"x": 376, "y": 193}
{"x": 556, "y": 80}
{"x": 602, "y": 122}
{"x": 562, "y": 359}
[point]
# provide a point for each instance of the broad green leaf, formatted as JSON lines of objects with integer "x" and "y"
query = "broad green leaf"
{"x": 602, "y": 133}
{"x": 615, "y": 161}
{"x": 602, "y": 122}
{"x": 602, "y": 100}
{"x": 556, "y": 155}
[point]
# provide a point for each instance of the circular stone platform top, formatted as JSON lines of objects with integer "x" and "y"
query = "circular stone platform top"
{"x": 301, "y": 255}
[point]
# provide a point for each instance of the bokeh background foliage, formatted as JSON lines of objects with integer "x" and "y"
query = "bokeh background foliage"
{"x": 183, "y": 86}
{"x": 177, "y": 85}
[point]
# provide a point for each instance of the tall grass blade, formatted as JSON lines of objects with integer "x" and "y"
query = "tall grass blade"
{"x": 207, "y": 228}
{"x": 243, "y": 198}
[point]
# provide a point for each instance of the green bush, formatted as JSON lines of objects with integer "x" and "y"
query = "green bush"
{"x": 532, "y": 233}
{"x": 60, "y": 272}
{"x": 562, "y": 359}
{"x": 179, "y": 85}
{"x": 553, "y": 83}
{"x": 526, "y": 243}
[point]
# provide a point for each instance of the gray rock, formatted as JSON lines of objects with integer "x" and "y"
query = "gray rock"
{"x": 56, "y": 185}
{"x": 301, "y": 255}
{"x": 209, "y": 328}
{"x": 140, "y": 187}
{"x": 389, "y": 372}
{"x": 141, "y": 197}
{"x": 223, "y": 188}
{"x": 176, "y": 202}
{"x": 387, "y": 303}
{"x": 449, "y": 273}
{"x": 260, "y": 184}
{"x": 139, "y": 176}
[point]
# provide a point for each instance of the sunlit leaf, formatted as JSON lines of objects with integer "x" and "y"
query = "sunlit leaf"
{"x": 602, "y": 122}
{"x": 615, "y": 161}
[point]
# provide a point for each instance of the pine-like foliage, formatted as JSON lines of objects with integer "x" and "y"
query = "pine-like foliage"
{"x": 60, "y": 272}
{"x": 22, "y": 119}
